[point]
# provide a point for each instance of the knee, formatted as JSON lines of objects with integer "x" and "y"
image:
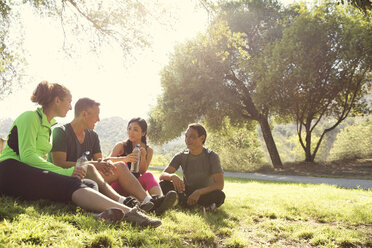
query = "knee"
{"x": 91, "y": 167}
{"x": 91, "y": 184}
{"x": 91, "y": 171}
{"x": 122, "y": 168}
{"x": 220, "y": 197}
{"x": 148, "y": 176}
{"x": 166, "y": 186}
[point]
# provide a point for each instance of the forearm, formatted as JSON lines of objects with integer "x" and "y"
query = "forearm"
{"x": 166, "y": 176}
{"x": 143, "y": 167}
{"x": 210, "y": 188}
{"x": 64, "y": 164}
{"x": 117, "y": 159}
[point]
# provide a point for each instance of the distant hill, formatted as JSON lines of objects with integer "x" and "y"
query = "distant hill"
{"x": 111, "y": 131}
{"x": 5, "y": 125}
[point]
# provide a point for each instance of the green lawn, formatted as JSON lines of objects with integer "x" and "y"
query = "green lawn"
{"x": 255, "y": 214}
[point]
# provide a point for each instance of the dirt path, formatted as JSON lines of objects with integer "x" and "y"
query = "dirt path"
{"x": 341, "y": 174}
{"x": 341, "y": 182}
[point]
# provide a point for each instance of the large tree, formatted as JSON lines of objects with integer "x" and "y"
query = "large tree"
{"x": 319, "y": 69}
{"x": 9, "y": 60}
{"x": 95, "y": 24}
{"x": 212, "y": 77}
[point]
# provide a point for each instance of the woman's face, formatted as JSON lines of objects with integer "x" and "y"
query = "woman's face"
{"x": 64, "y": 106}
{"x": 135, "y": 132}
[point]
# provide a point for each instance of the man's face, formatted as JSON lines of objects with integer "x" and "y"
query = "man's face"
{"x": 193, "y": 140}
{"x": 91, "y": 116}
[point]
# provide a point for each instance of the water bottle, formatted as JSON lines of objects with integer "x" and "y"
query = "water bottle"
{"x": 135, "y": 166}
{"x": 83, "y": 161}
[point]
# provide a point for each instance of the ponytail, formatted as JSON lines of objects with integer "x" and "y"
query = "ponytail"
{"x": 45, "y": 93}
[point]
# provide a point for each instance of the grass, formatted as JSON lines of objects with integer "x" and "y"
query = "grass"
{"x": 255, "y": 214}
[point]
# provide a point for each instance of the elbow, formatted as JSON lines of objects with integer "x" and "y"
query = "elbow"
{"x": 220, "y": 185}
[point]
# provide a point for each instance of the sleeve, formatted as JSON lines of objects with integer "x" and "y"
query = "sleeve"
{"x": 59, "y": 140}
{"x": 96, "y": 145}
{"x": 28, "y": 128}
{"x": 176, "y": 161}
{"x": 215, "y": 163}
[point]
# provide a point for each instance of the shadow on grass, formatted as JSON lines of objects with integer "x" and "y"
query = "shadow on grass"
{"x": 11, "y": 207}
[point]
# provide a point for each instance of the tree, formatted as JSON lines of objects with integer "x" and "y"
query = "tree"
{"x": 321, "y": 68}
{"x": 212, "y": 77}
{"x": 93, "y": 23}
{"x": 363, "y": 5}
{"x": 9, "y": 60}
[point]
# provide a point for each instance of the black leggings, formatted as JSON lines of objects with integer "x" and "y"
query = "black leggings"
{"x": 217, "y": 196}
{"x": 29, "y": 183}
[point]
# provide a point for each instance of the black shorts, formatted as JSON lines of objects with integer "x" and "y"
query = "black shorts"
{"x": 21, "y": 180}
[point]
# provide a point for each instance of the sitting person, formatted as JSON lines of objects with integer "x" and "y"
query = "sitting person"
{"x": 203, "y": 177}
{"x": 71, "y": 140}
{"x": 137, "y": 131}
{"x": 25, "y": 172}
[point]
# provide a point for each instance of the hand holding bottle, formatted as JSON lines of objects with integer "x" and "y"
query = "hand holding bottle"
{"x": 79, "y": 172}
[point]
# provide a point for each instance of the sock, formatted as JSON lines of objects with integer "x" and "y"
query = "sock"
{"x": 122, "y": 199}
{"x": 147, "y": 199}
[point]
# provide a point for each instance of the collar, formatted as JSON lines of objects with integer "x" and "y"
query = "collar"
{"x": 44, "y": 119}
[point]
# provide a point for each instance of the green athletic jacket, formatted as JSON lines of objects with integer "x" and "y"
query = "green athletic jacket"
{"x": 28, "y": 142}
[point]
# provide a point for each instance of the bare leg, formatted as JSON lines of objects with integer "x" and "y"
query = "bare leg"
{"x": 127, "y": 181}
{"x": 92, "y": 200}
{"x": 104, "y": 187}
{"x": 156, "y": 190}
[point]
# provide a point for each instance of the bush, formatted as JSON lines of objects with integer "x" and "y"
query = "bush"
{"x": 354, "y": 141}
{"x": 238, "y": 146}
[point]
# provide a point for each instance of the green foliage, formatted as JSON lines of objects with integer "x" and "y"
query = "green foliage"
{"x": 320, "y": 68}
{"x": 96, "y": 24}
{"x": 363, "y": 5}
{"x": 10, "y": 59}
{"x": 238, "y": 146}
{"x": 353, "y": 141}
{"x": 210, "y": 77}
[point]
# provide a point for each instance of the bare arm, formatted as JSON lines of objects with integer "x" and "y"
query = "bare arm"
{"x": 117, "y": 151}
{"x": 169, "y": 175}
{"x": 218, "y": 184}
{"x": 145, "y": 161}
{"x": 60, "y": 159}
{"x": 103, "y": 166}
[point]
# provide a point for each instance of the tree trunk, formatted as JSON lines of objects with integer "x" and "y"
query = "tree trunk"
{"x": 270, "y": 144}
{"x": 308, "y": 156}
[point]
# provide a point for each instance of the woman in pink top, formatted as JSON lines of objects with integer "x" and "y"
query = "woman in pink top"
{"x": 137, "y": 130}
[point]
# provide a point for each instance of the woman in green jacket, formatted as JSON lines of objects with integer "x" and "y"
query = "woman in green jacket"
{"x": 25, "y": 172}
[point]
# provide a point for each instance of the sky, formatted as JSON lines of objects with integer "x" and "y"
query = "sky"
{"x": 125, "y": 91}
{"x": 125, "y": 88}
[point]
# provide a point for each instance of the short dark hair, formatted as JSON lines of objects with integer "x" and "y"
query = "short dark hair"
{"x": 200, "y": 129}
{"x": 83, "y": 104}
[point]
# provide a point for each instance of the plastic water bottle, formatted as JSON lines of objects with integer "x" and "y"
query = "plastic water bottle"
{"x": 135, "y": 167}
{"x": 82, "y": 161}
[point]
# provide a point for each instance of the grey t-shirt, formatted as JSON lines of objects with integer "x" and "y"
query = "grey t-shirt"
{"x": 65, "y": 140}
{"x": 197, "y": 170}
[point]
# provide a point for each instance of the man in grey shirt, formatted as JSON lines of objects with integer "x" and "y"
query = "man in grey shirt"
{"x": 203, "y": 178}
